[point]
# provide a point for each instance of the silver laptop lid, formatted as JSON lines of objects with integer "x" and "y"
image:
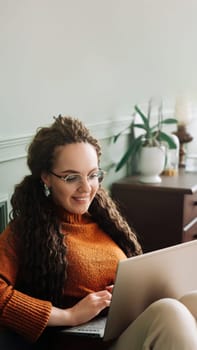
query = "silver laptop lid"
{"x": 143, "y": 279}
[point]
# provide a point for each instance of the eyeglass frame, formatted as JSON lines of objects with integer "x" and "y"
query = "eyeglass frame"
{"x": 64, "y": 178}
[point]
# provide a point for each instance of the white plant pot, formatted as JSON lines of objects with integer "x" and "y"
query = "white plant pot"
{"x": 151, "y": 164}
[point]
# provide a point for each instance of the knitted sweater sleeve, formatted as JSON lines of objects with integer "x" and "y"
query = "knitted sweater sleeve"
{"x": 23, "y": 314}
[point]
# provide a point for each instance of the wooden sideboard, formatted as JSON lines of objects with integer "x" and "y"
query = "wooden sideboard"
{"x": 162, "y": 214}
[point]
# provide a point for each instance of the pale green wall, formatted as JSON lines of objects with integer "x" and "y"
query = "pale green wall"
{"x": 92, "y": 59}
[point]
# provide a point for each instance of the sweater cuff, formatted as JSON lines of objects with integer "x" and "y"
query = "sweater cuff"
{"x": 26, "y": 315}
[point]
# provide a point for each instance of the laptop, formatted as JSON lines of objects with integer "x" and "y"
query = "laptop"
{"x": 141, "y": 280}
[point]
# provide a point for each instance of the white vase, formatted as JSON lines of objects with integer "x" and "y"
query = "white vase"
{"x": 151, "y": 164}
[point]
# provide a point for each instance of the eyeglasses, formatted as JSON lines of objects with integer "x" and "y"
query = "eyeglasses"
{"x": 95, "y": 176}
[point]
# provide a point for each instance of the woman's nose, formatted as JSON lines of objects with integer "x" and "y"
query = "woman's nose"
{"x": 84, "y": 185}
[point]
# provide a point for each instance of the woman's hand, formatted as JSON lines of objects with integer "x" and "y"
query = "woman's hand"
{"x": 86, "y": 309}
{"x": 89, "y": 307}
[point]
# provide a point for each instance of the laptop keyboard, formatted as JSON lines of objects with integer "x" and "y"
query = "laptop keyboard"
{"x": 95, "y": 326}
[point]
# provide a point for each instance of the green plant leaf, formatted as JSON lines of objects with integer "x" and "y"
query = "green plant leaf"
{"x": 123, "y": 160}
{"x": 116, "y": 137}
{"x": 164, "y": 121}
{"x": 131, "y": 151}
{"x": 169, "y": 121}
{"x": 150, "y": 136}
{"x": 164, "y": 137}
{"x": 144, "y": 118}
{"x": 141, "y": 126}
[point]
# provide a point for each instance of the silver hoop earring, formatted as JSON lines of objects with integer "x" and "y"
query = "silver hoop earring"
{"x": 46, "y": 190}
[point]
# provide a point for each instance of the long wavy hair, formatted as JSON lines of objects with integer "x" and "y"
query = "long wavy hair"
{"x": 34, "y": 222}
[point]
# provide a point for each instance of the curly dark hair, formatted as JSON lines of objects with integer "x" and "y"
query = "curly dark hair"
{"x": 34, "y": 220}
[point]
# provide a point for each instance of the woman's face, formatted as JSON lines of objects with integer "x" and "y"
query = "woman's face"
{"x": 75, "y": 194}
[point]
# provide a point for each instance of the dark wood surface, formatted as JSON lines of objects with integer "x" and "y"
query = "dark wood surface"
{"x": 162, "y": 214}
{"x": 185, "y": 182}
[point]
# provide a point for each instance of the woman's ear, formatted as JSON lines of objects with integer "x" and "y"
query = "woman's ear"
{"x": 45, "y": 177}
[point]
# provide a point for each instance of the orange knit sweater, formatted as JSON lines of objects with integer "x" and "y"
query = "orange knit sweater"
{"x": 92, "y": 262}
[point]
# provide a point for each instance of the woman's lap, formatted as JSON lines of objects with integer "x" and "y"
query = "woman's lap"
{"x": 168, "y": 319}
{"x": 50, "y": 340}
{"x": 12, "y": 341}
{"x": 165, "y": 324}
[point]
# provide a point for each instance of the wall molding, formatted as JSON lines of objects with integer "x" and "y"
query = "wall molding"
{"x": 12, "y": 148}
{"x": 16, "y": 147}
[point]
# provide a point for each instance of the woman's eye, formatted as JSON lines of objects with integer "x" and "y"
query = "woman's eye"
{"x": 72, "y": 178}
{"x": 93, "y": 176}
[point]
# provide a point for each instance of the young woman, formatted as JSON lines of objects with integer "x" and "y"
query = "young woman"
{"x": 59, "y": 253}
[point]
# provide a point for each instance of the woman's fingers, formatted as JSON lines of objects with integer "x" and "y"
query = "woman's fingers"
{"x": 110, "y": 288}
{"x": 90, "y": 306}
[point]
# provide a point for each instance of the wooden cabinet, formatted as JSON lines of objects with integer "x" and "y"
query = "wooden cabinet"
{"x": 162, "y": 214}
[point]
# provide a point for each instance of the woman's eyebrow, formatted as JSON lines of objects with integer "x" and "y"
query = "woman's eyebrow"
{"x": 72, "y": 171}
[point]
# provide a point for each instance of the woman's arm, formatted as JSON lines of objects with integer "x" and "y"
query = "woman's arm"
{"x": 23, "y": 314}
{"x": 29, "y": 316}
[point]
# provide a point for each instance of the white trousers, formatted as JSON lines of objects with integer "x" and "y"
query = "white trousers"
{"x": 167, "y": 324}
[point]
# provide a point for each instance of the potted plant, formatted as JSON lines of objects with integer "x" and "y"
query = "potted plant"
{"x": 150, "y": 142}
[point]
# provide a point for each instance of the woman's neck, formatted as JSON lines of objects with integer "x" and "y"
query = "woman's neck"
{"x": 73, "y": 218}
